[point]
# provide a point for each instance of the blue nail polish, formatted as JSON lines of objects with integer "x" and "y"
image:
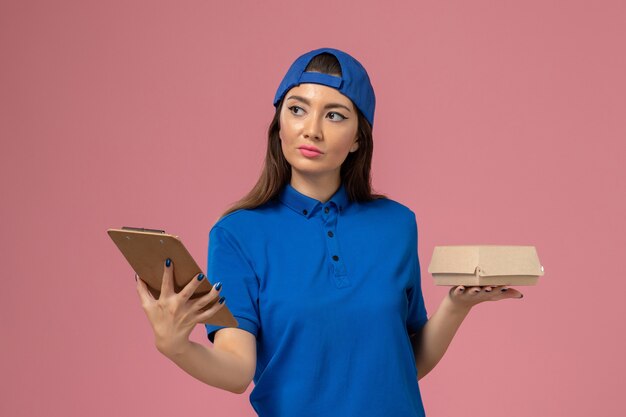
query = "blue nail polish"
{"x": 200, "y": 277}
{"x": 218, "y": 286}
{"x": 168, "y": 262}
{"x": 222, "y": 300}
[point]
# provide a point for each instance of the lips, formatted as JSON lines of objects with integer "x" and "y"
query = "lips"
{"x": 310, "y": 148}
{"x": 309, "y": 153}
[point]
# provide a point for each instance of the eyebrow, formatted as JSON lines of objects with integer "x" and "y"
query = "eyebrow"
{"x": 328, "y": 106}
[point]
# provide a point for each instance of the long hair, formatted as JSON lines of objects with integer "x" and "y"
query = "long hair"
{"x": 355, "y": 170}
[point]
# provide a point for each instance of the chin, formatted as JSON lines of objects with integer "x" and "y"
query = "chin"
{"x": 308, "y": 171}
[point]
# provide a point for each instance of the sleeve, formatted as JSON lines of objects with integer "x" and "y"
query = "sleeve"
{"x": 417, "y": 316}
{"x": 227, "y": 264}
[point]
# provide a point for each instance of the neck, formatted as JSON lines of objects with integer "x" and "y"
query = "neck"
{"x": 319, "y": 188}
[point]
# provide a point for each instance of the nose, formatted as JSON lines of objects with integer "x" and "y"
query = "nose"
{"x": 313, "y": 128}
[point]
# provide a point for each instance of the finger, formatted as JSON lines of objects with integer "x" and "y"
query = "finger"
{"x": 167, "y": 283}
{"x": 144, "y": 294}
{"x": 457, "y": 291}
{"x": 205, "y": 315}
{"x": 512, "y": 293}
{"x": 191, "y": 286}
{"x": 487, "y": 289}
{"x": 505, "y": 292}
{"x": 208, "y": 297}
{"x": 474, "y": 290}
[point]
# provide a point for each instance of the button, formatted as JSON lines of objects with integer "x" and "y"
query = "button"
{"x": 335, "y": 258}
{"x": 330, "y": 234}
{"x": 304, "y": 212}
{"x": 326, "y": 210}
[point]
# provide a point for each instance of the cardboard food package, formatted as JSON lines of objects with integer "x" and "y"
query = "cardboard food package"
{"x": 480, "y": 265}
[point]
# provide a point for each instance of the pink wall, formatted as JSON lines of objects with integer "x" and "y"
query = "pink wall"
{"x": 497, "y": 122}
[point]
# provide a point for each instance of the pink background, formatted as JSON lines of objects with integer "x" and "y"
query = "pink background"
{"x": 497, "y": 123}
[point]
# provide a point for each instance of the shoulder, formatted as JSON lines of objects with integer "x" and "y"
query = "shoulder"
{"x": 391, "y": 209}
{"x": 243, "y": 223}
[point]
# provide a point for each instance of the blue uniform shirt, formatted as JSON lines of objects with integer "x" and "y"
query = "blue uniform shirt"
{"x": 332, "y": 292}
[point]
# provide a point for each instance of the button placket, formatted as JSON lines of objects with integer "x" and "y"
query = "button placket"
{"x": 335, "y": 257}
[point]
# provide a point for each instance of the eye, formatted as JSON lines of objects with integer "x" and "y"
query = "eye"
{"x": 294, "y": 108}
{"x": 341, "y": 117}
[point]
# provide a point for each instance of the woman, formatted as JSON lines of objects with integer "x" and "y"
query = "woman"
{"x": 322, "y": 275}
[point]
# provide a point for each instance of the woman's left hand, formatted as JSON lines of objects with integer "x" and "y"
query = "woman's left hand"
{"x": 467, "y": 297}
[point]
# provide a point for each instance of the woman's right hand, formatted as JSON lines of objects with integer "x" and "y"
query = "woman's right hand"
{"x": 173, "y": 315}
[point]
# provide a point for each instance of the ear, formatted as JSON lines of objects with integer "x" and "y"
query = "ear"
{"x": 355, "y": 146}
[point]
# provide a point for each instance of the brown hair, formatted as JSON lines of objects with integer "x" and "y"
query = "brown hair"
{"x": 355, "y": 170}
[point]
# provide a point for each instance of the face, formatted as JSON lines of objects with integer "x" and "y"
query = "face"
{"x": 317, "y": 116}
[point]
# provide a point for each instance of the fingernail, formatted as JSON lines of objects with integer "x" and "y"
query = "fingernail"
{"x": 462, "y": 289}
{"x": 168, "y": 262}
{"x": 521, "y": 296}
{"x": 200, "y": 277}
{"x": 218, "y": 286}
{"x": 222, "y": 300}
{"x": 504, "y": 289}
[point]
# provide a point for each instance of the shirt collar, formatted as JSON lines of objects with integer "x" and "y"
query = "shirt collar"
{"x": 306, "y": 205}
